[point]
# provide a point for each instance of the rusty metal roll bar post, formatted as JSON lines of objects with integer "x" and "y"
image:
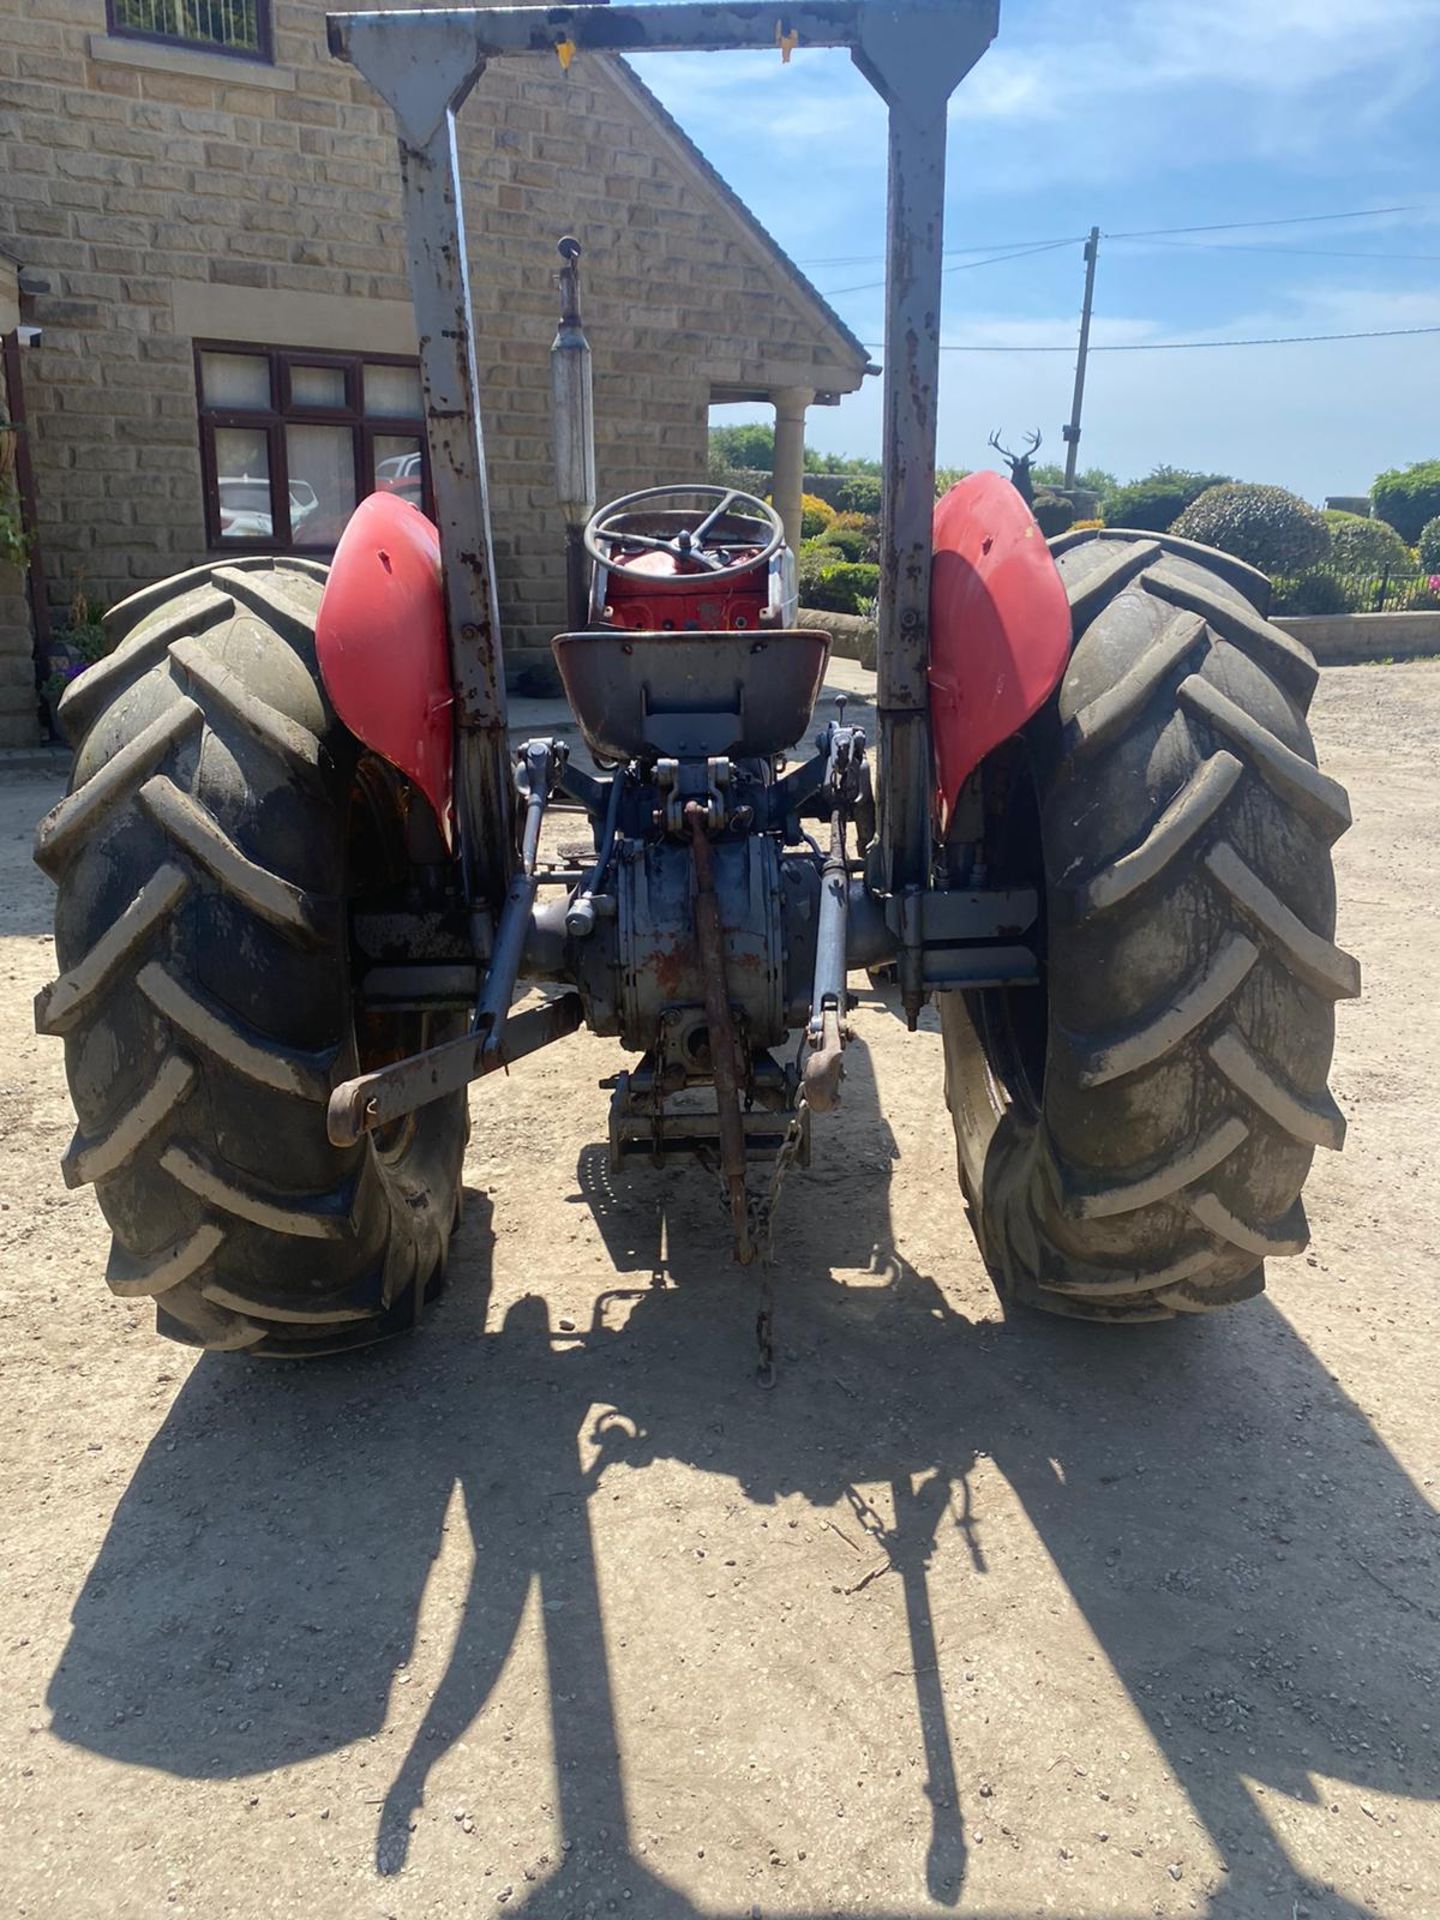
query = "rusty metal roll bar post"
{"x": 423, "y": 64}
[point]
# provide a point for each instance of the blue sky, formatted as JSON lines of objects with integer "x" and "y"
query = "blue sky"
{"x": 1135, "y": 114}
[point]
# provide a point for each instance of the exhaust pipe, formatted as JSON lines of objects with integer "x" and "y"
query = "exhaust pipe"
{"x": 574, "y": 432}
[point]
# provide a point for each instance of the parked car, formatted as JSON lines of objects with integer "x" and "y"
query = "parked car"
{"x": 402, "y": 473}
{"x": 245, "y": 506}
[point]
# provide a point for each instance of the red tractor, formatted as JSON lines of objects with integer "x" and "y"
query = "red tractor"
{"x": 302, "y": 882}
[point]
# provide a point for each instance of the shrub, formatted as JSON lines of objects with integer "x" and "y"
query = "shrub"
{"x": 1272, "y": 529}
{"x": 1053, "y": 512}
{"x": 850, "y": 543}
{"x": 749, "y": 480}
{"x": 858, "y": 493}
{"x": 1313, "y": 593}
{"x": 1428, "y": 546}
{"x": 1408, "y": 497}
{"x": 1358, "y": 545}
{"x": 1154, "y": 503}
{"x": 80, "y": 640}
{"x": 815, "y": 515}
{"x": 1085, "y": 526}
{"x": 838, "y": 586}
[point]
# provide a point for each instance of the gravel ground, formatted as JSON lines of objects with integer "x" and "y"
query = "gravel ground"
{"x": 550, "y": 1611}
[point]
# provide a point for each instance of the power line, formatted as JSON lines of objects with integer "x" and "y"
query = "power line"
{"x": 863, "y": 259}
{"x": 1180, "y": 346}
{"x": 963, "y": 266}
{"x": 1144, "y": 233}
{"x": 1237, "y": 226}
{"x": 1259, "y": 246}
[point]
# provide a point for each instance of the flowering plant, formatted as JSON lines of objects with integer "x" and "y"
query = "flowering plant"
{"x": 82, "y": 641}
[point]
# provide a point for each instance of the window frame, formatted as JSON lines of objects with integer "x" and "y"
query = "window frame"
{"x": 282, "y": 412}
{"x": 263, "y": 52}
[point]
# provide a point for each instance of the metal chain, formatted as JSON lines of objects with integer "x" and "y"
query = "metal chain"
{"x": 762, "y": 1221}
{"x": 763, "y": 1214}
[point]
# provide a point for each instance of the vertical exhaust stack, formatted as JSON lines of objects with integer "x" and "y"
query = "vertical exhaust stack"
{"x": 574, "y": 431}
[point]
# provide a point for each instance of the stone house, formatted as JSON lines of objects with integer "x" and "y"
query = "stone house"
{"x": 200, "y": 211}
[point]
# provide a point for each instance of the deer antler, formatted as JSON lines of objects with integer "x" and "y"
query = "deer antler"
{"x": 1019, "y": 463}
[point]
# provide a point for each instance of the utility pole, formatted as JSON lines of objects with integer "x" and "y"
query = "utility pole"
{"x": 1071, "y": 432}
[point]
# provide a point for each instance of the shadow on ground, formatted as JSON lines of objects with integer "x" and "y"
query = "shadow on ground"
{"x": 260, "y": 1580}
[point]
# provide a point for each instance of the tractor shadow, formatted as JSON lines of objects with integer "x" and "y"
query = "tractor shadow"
{"x": 1250, "y": 1557}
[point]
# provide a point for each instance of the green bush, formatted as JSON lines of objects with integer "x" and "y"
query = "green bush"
{"x": 1272, "y": 529}
{"x": 749, "y": 480}
{"x": 1054, "y": 513}
{"x": 833, "y": 586}
{"x": 1153, "y": 504}
{"x": 1358, "y": 545}
{"x": 850, "y": 543}
{"x": 1428, "y": 546}
{"x": 1313, "y": 593}
{"x": 859, "y": 493}
{"x": 1408, "y": 497}
{"x": 80, "y": 640}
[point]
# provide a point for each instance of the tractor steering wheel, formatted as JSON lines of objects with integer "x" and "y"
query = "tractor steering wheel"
{"x": 709, "y": 543}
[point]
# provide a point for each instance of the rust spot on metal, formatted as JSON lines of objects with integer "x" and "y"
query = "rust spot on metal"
{"x": 672, "y": 970}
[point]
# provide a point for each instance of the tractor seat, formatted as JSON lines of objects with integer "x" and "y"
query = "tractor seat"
{"x": 691, "y": 693}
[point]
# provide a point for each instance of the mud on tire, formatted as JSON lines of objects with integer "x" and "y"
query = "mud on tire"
{"x": 1133, "y": 1141}
{"x": 202, "y": 859}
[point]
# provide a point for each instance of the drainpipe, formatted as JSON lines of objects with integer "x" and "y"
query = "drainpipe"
{"x": 13, "y": 388}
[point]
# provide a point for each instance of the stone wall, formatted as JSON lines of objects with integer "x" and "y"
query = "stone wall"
{"x": 1337, "y": 638}
{"x": 167, "y": 194}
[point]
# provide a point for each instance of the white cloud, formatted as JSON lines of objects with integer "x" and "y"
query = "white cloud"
{"x": 1098, "y": 90}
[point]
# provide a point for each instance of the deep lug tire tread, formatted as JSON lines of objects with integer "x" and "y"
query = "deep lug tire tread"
{"x": 1192, "y": 969}
{"x": 204, "y": 991}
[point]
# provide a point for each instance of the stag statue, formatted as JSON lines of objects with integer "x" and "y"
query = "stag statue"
{"x": 1019, "y": 463}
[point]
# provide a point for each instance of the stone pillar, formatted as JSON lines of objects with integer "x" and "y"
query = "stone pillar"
{"x": 788, "y": 481}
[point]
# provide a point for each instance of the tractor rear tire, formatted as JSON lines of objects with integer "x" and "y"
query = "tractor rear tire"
{"x": 1134, "y": 1135}
{"x": 217, "y": 822}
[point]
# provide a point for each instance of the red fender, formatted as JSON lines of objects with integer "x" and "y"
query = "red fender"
{"x": 999, "y": 627}
{"x": 381, "y": 642}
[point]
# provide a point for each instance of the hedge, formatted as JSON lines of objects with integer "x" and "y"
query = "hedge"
{"x": 1272, "y": 529}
